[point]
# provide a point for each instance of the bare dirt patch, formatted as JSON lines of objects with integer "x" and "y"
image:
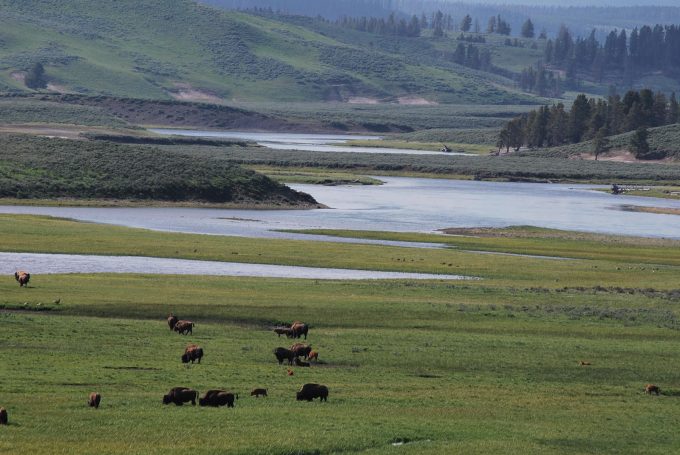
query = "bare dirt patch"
{"x": 415, "y": 101}
{"x": 185, "y": 92}
{"x": 619, "y": 156}
{"x": 18, "y": 76}
{"x": 362, "y": 100}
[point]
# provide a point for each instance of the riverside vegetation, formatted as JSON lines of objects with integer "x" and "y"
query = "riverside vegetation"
{"x": 435, "y": 367}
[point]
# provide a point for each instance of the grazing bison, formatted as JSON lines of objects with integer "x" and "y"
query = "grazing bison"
{"x": 651, "y": 388}
{"x": 301, "y": 350}
{"x": 284, "y": 331}
{"x": 310, "y": 391}
{"x": 300, "y": 363}
{"x": 257, "y": 392}
{"x": 3, "y": 416}
{"x": 184, "y": 327}
{"x": 583, "y": 363}
{"x": 94, "y": 400}
{"x": 22, "y": 277}
{"x": 218, "y": 398}
{"x": 284, "y": 354}
{"x": 313, "y": 356}
{"x": 191, "y": 353}
{"x": 180, "y": 395}
{"x": 299, "y": 329}
{"x": 172, "y": 320}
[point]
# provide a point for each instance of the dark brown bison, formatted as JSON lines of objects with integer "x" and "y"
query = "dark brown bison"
{"x": 184, "y": 327}
{"x": 22, "y": 277}
{"x": 313, "y": 356}
{"x": 257, "y": 392}
{"x": 583, "y": 363}
{"x": 310, "y": 391}
{"x": 94, "y": 400}
{"x": 218, "y": 398}
{"x": 191, "y": 353}
{"x": 284, "y": 354}
{"x": 284, "y": 331}
{"x": 172, "y": 320}
{"x": 300, "y": 363}
{"x": 301, "y": 350}
{"x": 651, "y": 388}
{"x": 3, "y": 416}
{"x": 180, "y": 395}
{"x": 299, "y": 329}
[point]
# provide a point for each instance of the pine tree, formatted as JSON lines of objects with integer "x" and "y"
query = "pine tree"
{"x": 601, "y": 143}
{"x": 35, "y": 77}
{"x": 466, "y": 23}
{"x": 528, "y": 29}
{"x": 638, "y": 143}
{"x": 491, "y": 27}
{"x": 673, "y": 111}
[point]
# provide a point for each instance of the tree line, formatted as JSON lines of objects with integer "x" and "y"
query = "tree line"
{"x": 590, "y": 118}
{"x": 649, "y": 48}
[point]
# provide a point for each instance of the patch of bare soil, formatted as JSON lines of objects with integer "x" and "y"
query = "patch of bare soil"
{"x": 619, "y": 156}
{"x": 185, "y": 92}
{"x": 415, "y": 101}
{"x": 18, "y": 76}
{"x": 57, "y": 88}
{"x": 362, "y": 100}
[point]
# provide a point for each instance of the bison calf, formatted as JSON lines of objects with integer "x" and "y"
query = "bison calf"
{"x": 313, "y": 356}
{"x": 651, "y": 388}
{"x": 180, "y": 395}
{"x": 257, "y": 392}
{"x": 310, "y": 391}
{"x": 94, "y": 400}
{"x": 283, "y": 331}
{"x": 218, "y": 398}
{"x": 192, "y": 353}
{"x": 3, "y": 416}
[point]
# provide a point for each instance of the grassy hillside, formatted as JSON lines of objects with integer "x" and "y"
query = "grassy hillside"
{"x": 159, "y": 49}
{"x": 45, "y": 168}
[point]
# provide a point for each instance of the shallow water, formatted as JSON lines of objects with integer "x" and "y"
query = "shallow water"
{"x": 404, "y": 205}
{"x": 41, "y": 264}
{"x": 303, "y": 142}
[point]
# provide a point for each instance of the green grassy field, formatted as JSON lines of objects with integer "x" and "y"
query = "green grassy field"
{"x": 444, "y": 367}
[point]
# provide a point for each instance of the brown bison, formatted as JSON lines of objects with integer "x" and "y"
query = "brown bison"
{"x": 94, "y": 400}
{"x": 184, "y": 327}
{"x": 300, "y": 363}
{"x": 191, "y": 353}
{"x": 310, "y": 391}
{"x": 180, "y": 395}
{"x": 299, "y": 329}
{"x": 313, "y": 356}
{"x": 583, "y": 363}
{"x": 172, "y": 320}
{"x": 651, "y": 388}
{"x": 284, "y": 354}
{"x": 22, "y": 277}
{"x": 284, "y": 331}
{"x": 257, "y": 392}
{"x": 218, "y": 398}
{"x": 301, "y": 350}
{"x": 3, "y": 416}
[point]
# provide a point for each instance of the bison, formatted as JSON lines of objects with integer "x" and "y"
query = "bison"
{"x": 284, "y": 331}
{"x": 301, "y": 350}
{"x": 180, "y": 395}
{"x": 218, "y": 398}
{"x": 3, "y": 416}
{"x": 94, "y": 400}
{"x": 172, "y": 320}
{"x": 310, "y": 391}
{"x": 184, "y": 327}
{"x": 284, "y": 354}
{"x": 583, "y": 363}
{"x": 313, "y": 356}
{"x": 257, "y": 392}
{"x": 651, "y": 388}
{"x": 299, "y": 328}
{"x": 22, "y": 277}
{"x": 191, "y": 353}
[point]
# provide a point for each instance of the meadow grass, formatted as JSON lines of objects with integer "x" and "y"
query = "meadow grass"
{"x": 439, "y": 367}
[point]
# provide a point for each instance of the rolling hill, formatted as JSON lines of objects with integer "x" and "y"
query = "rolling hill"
{"x": 183, "y": 50}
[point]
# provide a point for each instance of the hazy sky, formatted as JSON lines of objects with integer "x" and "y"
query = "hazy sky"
{"x": 577, "y": 2}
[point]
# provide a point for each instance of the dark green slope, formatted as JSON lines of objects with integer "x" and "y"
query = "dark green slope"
{"x": 163, "y": 49}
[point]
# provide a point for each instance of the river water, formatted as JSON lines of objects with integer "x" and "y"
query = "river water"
{"x": 302, "y": 142}
{"x": 405, "y": 205}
